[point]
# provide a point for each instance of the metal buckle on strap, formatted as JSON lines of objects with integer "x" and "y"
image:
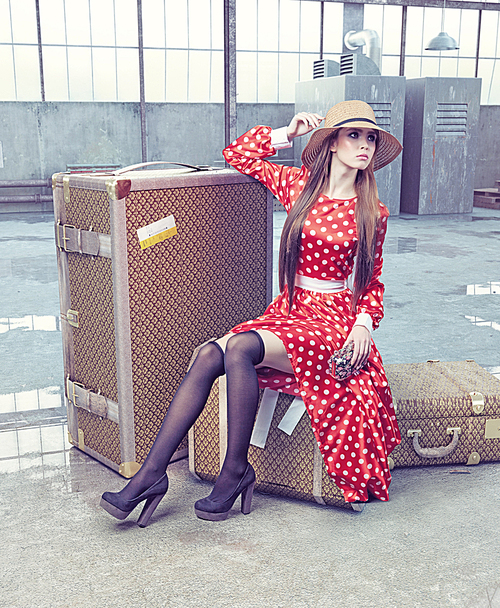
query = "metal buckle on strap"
{"x": 71, "y": 393}
{"x": 83, "y": 398}
{"x": 71, "y": 239}
{"x": 62, "y": 236}
{"x": 71, "y": 317}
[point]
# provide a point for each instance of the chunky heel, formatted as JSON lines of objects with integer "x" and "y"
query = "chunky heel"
{"x": 149, "y": 509}
{"x": 246, "y": 499}
{"x": 206, "y": 508}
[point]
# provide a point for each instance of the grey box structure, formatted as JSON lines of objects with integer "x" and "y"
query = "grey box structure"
{"x": 440, "y": 145}
{"x": 386, "y": 95}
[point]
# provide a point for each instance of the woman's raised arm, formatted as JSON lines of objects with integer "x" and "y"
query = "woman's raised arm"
{"x": 303, "y": 123}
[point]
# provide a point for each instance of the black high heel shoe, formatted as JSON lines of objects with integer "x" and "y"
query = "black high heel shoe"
{"x": 116, "y": 506}
{"x": 206, "y": 508}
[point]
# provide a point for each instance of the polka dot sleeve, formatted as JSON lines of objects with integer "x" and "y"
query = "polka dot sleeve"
{"x": 372, "y": 301}
{"x": 248, "y": 153}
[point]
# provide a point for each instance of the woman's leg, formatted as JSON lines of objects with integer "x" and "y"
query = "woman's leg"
{"x": 241, "y": 353}
{"x": 186, "y": 406}
{"x": 275, "y": 354}
{"x": 244, "y": 352}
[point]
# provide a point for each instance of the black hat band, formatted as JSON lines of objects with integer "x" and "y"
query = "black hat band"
{"x": 354, "y": 120}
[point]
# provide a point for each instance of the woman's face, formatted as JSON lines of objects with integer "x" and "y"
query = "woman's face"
{"x": 355, "y": 147}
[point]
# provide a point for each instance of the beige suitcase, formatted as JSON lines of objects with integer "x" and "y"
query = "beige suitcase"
{"x": 447, "y": 412}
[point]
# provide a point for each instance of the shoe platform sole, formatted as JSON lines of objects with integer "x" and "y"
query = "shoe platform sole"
{"x": 211, "y": 516}
{"x": 114, "y": 511}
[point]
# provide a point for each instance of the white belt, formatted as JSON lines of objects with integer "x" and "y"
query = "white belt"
{"x": 319, "y": 285}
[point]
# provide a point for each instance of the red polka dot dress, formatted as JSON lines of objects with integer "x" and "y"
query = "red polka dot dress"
{"x": 353, "y": 420}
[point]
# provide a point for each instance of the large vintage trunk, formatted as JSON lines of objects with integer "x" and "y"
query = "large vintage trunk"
{"x": 151, "y": 263}
{"x": 448, "y": 412}
{"x": 283, "y": 450}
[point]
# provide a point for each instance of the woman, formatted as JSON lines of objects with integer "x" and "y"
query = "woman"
{"x": 334, "y": 216}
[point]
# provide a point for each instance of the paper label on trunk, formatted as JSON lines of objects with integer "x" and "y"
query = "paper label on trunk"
{"x": 157, "y": 231}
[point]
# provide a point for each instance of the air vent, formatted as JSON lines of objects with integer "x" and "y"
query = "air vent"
{"x": 359, "y": 64}
{"x": 346, "y": 64}
{"x": 382, "y": 114}
{"x": 324, "y": 68}
{"x": 451, "y": 119}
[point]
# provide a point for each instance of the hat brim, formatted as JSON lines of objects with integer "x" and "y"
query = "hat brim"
{"x": 388, "y": 146}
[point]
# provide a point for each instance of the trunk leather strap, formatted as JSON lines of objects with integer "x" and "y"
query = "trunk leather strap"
{"x": 81, "y": 397}
{"x": 73, "y": 240}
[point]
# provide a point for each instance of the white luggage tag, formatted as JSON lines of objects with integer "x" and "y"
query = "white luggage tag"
{"x": 293, "y": 415}
{"x": 264, "y": 418}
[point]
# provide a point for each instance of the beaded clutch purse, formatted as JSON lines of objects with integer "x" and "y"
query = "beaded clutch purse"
{"x": 339, "y": 364}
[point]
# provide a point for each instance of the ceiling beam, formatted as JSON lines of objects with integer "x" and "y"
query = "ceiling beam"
{"x": 457, "y": 4}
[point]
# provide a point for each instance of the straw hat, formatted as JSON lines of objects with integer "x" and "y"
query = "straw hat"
{"x": 353, "y": 114}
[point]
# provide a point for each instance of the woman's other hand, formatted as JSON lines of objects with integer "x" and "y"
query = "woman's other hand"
{"x": 362, "y": 340}
{"x": 303, "y": 123}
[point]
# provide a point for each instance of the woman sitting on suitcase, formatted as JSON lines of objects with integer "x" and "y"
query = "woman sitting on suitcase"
{"x": 334, "y": 218}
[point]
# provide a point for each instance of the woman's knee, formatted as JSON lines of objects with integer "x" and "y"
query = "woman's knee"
{"x": 210, "y": 358}
{"x": 244, "y": 346}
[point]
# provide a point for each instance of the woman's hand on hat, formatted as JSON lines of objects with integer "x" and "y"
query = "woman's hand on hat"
{"x": 303, "y": 123}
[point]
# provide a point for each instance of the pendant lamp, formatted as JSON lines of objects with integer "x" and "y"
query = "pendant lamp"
{"x": 442, "y": 42}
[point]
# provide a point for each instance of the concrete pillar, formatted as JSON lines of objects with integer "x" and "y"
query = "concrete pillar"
{"x": 353, "y": 21}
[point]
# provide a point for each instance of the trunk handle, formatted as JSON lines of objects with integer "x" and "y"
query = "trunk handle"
{"x": 440, "y": 452}
{"x": 161, "y": 162}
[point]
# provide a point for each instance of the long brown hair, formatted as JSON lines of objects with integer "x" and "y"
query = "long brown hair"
{"x": 367, "y": 214}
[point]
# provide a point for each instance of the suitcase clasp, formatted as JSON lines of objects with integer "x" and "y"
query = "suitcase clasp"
{"x": 477, "y": 402}
{"x": 492, "y": 429}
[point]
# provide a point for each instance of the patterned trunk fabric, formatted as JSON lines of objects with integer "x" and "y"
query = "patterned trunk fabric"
{"x": 195, "y": 285}
{"x": 434, "y": 397}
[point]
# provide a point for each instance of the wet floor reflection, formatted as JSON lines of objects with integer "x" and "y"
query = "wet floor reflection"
{"x": 37, "y": 399}
{"x": 492, "y": 287}
{"x": 30, "y": 323}
{"x": 400, "y": 245}
{"x": 44, "y": 447}
{"x": 38, "y": 268}
{"x": 482, "y": 323}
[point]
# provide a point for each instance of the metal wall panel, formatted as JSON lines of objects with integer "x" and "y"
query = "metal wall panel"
{"x": 441, "y": 144}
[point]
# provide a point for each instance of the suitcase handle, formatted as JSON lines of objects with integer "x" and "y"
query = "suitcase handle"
{"x": 161, "y": 162}
{"x": 440, "y": 452}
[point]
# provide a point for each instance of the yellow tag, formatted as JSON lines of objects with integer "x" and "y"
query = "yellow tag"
{"x": 159, "y": 237}
{"x": 157, "y": 232}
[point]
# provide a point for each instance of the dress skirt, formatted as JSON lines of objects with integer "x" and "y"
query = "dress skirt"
{"x": 353, "y": 420}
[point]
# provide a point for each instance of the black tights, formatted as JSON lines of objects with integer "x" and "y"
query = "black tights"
{"x": 243, "y": 352}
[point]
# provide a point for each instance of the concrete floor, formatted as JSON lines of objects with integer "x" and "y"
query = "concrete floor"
{"x": 434, "y": 545}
